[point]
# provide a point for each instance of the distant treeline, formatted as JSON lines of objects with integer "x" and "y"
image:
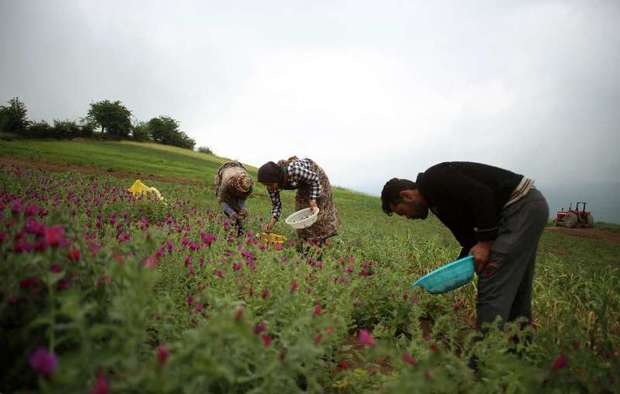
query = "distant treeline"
{"x": 105, "y": 119}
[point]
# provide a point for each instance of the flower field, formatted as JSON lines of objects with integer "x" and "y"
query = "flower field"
{"x": 103, "y": 292}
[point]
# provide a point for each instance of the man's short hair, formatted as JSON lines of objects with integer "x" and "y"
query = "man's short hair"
{"x": 391, "y": 192}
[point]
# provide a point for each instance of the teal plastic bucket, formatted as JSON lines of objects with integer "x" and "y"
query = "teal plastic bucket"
{"x": 448, "y": 277}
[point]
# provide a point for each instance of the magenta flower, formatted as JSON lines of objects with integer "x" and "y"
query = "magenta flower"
{"x": 294, "y": 286}
{"x": 365, "y": 338}
{"x": 266, "y": 340}
{"x": 150, "y": 262}
{"x": 94, "y": 248}
{"x": 560, "y": 362}
{"x": 34, "y": 227}
{"x": 265, "y": 293}
{"x": 16, "y": 206}
{"x": 207, "y": 238}
{"x": 2, "y": 236}
{"x": 29, "y": 282}
{"x": 260, "y": 327}
{"x": 43, "y": 362}
{"x": 317, "y": 310}
{"x": 74, "y": 254}
{"x": 55, "y": 236}
{"x": 101, "y": 385}
{"x": 55, "y": 268}
{"x": 163, "y": 353}
{"x": 63, "y": 284}
{"x": 409, "y": 359}
{"x": 236, "y": 266}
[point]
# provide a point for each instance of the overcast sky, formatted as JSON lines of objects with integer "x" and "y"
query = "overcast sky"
{"x": 368, "y": 89}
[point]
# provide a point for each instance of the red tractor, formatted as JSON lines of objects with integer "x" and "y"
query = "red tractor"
{"x": 573, "y": 218}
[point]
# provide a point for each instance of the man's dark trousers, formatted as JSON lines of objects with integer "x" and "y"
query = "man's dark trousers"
{"x": 505, "y": 285}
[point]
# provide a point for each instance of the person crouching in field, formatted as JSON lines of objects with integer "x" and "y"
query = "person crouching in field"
{"x": 233, "y": 185}
{"x": 313, "y": 190}
{"x": 496, "y": 215}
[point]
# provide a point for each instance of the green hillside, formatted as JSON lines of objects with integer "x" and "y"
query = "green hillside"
{"x": 234, "y": 315}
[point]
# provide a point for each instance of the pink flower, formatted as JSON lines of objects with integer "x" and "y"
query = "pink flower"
{"x": 266, "y": 340}
{"x": 294, "y": 286}
{"x": 43, "y": 362}
{"x": 94, "y": 248}
{"x": 409, "y": 359}
{"x": 55, "y": 268}
{"x": 365, "y": 338}
{"x": 317, "y": 310}
{"x": 55, "y": 236}
{"x": 162, "y": 354}
{"x": 150, "y": 262}
{"x": 317, "y": 339}
{"x": 2, "y": 236}
{"x": 265, "y": 293}
{"x": 101, "y": 385}
{"x": 219, "y": 273}
{"x": 236, "y": 266}
{"x": 560, "y": 362}
{"x": 190, "y": 300}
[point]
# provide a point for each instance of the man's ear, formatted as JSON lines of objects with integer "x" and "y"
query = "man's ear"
{"x": 407, "y": 195}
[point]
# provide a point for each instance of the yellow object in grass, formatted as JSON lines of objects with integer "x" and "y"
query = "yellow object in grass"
{"x": 272, "y": 238}
{"x": 138, "y": 188}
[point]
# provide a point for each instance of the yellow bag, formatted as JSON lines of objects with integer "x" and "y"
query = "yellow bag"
{"x": 138, "y": 188}
{"x": 272, "y": 238}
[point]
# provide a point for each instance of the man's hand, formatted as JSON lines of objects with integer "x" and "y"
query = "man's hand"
{"x": 481, "y": 252}
{"x": 313, "y": 205}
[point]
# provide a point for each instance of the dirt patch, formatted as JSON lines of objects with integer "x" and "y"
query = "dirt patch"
{"x": 592, "y": 233}
{"x": 84, "y": 169}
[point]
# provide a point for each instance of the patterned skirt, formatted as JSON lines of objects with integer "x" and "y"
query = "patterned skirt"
{"x": 327, "y": 223}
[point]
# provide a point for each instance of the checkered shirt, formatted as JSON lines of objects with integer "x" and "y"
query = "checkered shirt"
{"x": 299, "y": 171}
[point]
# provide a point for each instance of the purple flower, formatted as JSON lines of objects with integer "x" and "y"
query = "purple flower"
{"x": 43, "y": 362}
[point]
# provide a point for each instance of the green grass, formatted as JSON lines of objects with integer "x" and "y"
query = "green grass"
{"x": 118, "y": 156}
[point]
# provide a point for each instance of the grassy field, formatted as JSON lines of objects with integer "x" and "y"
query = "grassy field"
{"x": 161, "y": 297}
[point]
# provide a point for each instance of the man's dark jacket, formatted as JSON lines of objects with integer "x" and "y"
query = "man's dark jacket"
{"x": 468, "y": 198}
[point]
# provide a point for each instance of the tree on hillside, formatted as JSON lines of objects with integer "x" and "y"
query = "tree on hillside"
{"x": 140, "y": 132}
{"x": 165, "y": 130}
{"x": 113, "y": 117}
{"x": 14, "y": 117}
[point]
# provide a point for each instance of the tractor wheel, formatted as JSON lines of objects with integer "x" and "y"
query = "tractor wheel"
{"x": 589, "y": 221}
{"x": 571, "y": 220}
